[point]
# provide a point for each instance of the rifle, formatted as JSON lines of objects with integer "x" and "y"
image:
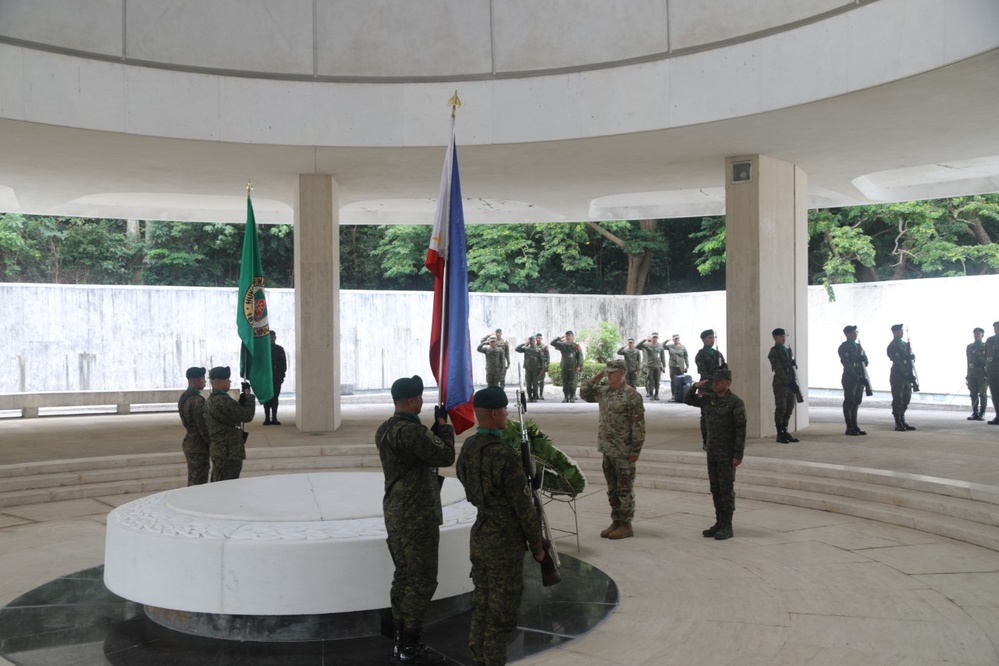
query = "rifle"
{"x": 910, "y": 364}
{"x": 792, "y": 366}
{"x": 550, "y": 565}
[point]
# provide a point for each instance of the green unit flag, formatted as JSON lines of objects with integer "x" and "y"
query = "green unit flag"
{"x": 251, "y": 316}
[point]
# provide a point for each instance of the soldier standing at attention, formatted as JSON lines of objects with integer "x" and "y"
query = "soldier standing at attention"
{"x": 532, "y": 366}
{"x": 620, "y": 437}
{"x": 678, "y": 362}
{"x": 192, "y": 414}
{"x": 901, "y": 377}
{"x": 632, "y": 358}
{"x": 655, "y": 361}
{"x": 571, "y": 364}
{"x": 410, "y": 454}
{"x": 992, "y": 370}
{"x": 495, "y": 483}
{"x": 505, "y": 346}
{"x": 854, "y": 360}
{"x": 978, "y": 383}
{"x": 707, "y": 360}
{"x": 782, "y": 362}
{"x": 725, "y": 413}
{"x": 546, "y": 359}
{"x": 225, "y": 417}
{"x": 279, "y": 368}
{"x": 495, "y": 368}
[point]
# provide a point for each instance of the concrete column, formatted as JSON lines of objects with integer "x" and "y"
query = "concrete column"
{"x": 766, "y": 240}
{"x": 317, "y": 304}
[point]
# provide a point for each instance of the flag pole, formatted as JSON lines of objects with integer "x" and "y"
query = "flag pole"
{"x": 455, "y": 104}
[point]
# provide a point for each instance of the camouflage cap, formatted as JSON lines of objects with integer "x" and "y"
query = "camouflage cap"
{"x": 897, "y": 327}
{"x": 779, "y": 331}
{"x": 707, "y": 332}
{"x": 631, "y": 339}
{"x": 614, "y": 365}
{"x": 220, "y": 372}
{"x": 538, "y": 335}
{"x": 407, "y": 387}
{"x": 491, "y": 397}
{"x": 655, "y": 334}
{"x": 676, "y": 336}
{"x": 850, "y": 329}
{"x": 721, "y": 373}
{"x": 195, "y": 373}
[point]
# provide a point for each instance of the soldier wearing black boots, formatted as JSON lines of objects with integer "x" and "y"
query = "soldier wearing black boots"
{"x": 901, "y": 377}
{"x": 978, "y": 381}
{"x": 783, "y": 364}
{"x": 854, "y": 379}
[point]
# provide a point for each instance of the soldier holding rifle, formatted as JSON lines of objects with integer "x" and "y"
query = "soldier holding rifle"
{"x": 855, "y": 381}
{"x": 494, "y": 481}
{"x": 902, "y": 377}
{"x": 786, "y": 389}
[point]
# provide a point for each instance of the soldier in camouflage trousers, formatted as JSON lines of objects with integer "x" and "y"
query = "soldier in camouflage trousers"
{"x": 632, "y": 362}
{"x": 410, "y": 454}
{"x": 532, "y": 366}
{"x": 655, "y": 362}
{"x": 901, "y": 377}
{"x": 725, "y": 414}
{"x": 992, "y": 370}
{"x": 854, "y": 361}
{"x": 196, "y": 439}
{"x": 783, "y": 364}
{"x": 620, "y": 437}
{"x": 571, "y": 364}
{"x": 978, "y": 383}
{"x": 546, "y": 359}
{"x": 225, "y": 417}
{"x": 707, "y": 360}
{"x": 495, "y": 360}
{"x": 496, "y": 484}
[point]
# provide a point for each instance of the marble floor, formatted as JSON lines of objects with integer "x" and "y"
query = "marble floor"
{"x": 795, "y": 586}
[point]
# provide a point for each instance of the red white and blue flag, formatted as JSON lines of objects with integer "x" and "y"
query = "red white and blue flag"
{"x": 450, "y": 346}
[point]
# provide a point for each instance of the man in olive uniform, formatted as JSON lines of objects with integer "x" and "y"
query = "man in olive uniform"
{"x": 503, "y": 344}
{"x": 546, "y": 359}
{"x": 783, "y": 364}
{"x": 725, "y": 414}
{"x": 532, "y": 366}
{"x": 978, "y": 383}
{"x": 225, "y": 417}
{"x": 571, "y": 364}
{"x": 495, "y": 483}
{"x": 678, "y": 361}
{"x": 854, "y": 380}
{"x": 707, "y": 360}
{"x": 901, "y": 377}
{"x": 279, "y": 368}
{"x": 632, "y": 362}
{"x": 495, "y": 361}
{"x": 620, "y": 437}
{"x": 992, "y": 370}
{"x": 192, "y": 414}
{"x": 655, "y": 361}
{"x": 410, "y": 454}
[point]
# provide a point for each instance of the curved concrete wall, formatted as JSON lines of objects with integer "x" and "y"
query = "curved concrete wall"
{"x": 348, "y": 73}
{"x": 104, "y": 338}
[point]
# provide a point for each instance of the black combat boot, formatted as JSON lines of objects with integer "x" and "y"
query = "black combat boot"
{"x": 781, "y": 435}
{"x": 974, "y": 416}
{"x": 791, "y": 439}
{"x": 981, "y": 415}
{"x": 397, "y": 646}
{"x": 904, "y": 424}
{"x": 898, "y": 423}
{"x": 412, "y": 651}
{"x": 725, "y": 529}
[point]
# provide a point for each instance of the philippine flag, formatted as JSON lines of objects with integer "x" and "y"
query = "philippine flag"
{"x": 447, "y": 261}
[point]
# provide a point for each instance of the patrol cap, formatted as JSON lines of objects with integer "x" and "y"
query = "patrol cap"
{"x": 614, "y": 365}
{"x": 407, "y": 387}
{"x": 655, "y": 334}
{"x": 978, "y": 329}
{"x": 491, "y": 397}
{"x": 631, "y": 339}
{"x": 676, "y": 336}
{"x": 722, "y": 373}
{"x": 896, "y": 327}
{"x": 499, "y": 330}
{"x": 569, "y": 333}
{"x": 850, "y": 329}
{"x": 220, "y": 372}
{"x": 195, "y": 373}
{"x": 538, "y": 335}
{"x": 778, "y": 331}
{"x": 491, "y": 338}
{"x": 995, "y": 323}
{"x": 707, "y": 332}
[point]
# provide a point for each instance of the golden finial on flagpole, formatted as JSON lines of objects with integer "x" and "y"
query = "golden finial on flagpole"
{"x": 249, "y": 187}
{"x": 454, "y": 103}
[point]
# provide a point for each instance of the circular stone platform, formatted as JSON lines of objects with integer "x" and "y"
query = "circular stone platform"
{"x": 298, "y": 544}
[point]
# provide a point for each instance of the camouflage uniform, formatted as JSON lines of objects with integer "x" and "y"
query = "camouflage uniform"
{"x": 570, "y": 366}
{"x": 224, "y": 416}
{"x": 707, "y": 360}
{"x": 620, "y": 437}
{"x": 992, "y": 373}
{"x": 726, "y": 421}
{"x": 410, "y": 454}
{"x": 655, "y": 361}
{"x": 678, "y": 361}
{"x": 632, "y": 363}
{"x": 901, "y": 380}
{"x": 495, "y": 363}
{"x": 494, "y": 480}
{"x": 854, "y": 360}
{"x": 782, "y": 363}
{"x": 546, "y": 359}
{"x": 978, "y": 384}
{"x": 503, "y": 344}
{"x": 192, "y": 414}
{"x": 532, "y": 368}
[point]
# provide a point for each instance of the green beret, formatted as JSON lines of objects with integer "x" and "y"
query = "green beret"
{"x": 569, "y": 333}
{"x": 707, "y": 332}
{"x": 723, "y": 373}
{"x": 219, "y": 372}
{"x": 779, "y": 331}
{"x": 978, "y": 329}
{"x": 491, "y": 397}
{"x": 850, "y": 329}
{"x": 615, "y": 364}
{"x": 407, "y": 387}
{"x": 195, "y": 373}
{"x": 896, "y": 327}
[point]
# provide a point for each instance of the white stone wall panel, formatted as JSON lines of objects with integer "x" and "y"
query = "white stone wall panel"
{"x": 93, "y": 26}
